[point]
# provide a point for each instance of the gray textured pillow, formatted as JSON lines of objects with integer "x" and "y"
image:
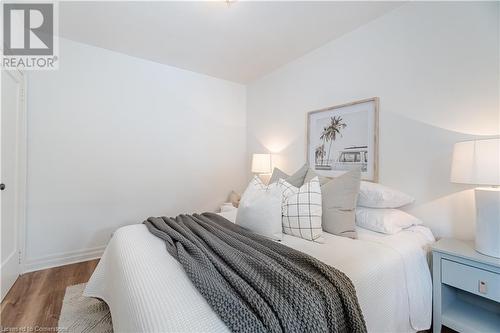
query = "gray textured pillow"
{"x": 311, "y": 174}
{"x": 277, "y": 175}
{"x": 297, "y": 179}
{"x": 339, "y": 204}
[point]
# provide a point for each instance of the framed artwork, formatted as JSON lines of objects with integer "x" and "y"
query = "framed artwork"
{"x": 343, "y": 137}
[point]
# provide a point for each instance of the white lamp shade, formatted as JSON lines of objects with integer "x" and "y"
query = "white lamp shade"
{"x": 261, "y": 163}
{"x": 476, "y": 162}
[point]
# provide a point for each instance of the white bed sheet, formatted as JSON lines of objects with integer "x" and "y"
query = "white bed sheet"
{"x": 148, "y": 291}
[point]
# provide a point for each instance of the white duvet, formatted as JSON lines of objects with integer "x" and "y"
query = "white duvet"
{"x": 148, "y": 291}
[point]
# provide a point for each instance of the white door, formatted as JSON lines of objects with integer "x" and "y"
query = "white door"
{"x": 11, "y": 177}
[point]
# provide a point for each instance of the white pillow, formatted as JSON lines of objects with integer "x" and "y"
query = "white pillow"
{"x": 374, "y": 195}
{"x": 387, "y": 221}
{"x": 302, "y": 209}
{"x": 260, "y": 209}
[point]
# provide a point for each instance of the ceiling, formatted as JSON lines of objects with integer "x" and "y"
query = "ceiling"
{"x": 239, "y": 42}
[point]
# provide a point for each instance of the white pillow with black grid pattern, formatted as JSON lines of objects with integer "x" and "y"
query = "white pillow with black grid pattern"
{"x": 301, "y": 209}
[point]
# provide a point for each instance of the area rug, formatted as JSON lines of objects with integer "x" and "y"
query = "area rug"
{"x": 83, "y": 314}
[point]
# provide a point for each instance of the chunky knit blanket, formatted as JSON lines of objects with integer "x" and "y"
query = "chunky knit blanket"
{"x": 255, "y": 284}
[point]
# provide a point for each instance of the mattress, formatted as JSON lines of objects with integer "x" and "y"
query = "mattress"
{"x": 148, "y": 291}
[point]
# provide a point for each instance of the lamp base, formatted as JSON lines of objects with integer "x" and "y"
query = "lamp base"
{"x": 488, "y": 221}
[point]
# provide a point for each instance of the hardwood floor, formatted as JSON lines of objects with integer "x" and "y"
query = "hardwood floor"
{"x": 36, "y": 298}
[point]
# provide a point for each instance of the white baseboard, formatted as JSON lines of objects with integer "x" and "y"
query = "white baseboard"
{"x": 61, "y": 259}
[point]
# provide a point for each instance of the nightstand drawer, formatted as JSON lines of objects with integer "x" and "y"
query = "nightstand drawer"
{"x": 471, "y": 279}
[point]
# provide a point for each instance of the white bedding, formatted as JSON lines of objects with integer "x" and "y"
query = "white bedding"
{"x": 148, "y": 291}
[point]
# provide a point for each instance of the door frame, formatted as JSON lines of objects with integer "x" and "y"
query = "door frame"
{"x": 21, "y": 164}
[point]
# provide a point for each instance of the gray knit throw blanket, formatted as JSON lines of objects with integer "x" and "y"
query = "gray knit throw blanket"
{"x": 255, "y": 284}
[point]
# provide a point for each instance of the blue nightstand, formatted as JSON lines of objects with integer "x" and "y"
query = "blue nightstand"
{"x": 466, "y": 288}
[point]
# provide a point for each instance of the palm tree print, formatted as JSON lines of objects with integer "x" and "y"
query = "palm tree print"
{"x": 331, "y": 131}
{"x": 319, "y": 154}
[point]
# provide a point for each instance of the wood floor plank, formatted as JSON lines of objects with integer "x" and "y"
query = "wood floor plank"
{"x": 36, "y": 298}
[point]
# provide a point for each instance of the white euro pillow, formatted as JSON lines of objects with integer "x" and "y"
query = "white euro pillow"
{"x": 259, "y": 209}
{"x": 374, "y": 195}
{"x": 385, "y": 220}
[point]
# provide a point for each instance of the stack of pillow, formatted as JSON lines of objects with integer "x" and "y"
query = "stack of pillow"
{"x": 305, "y": 204}
{"x": 302, "y": 205}
{"x": 377, "y": 209}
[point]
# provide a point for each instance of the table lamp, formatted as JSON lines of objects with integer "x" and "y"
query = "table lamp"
{"x": 261, "y": 164}
{"x": 478, "y": 162}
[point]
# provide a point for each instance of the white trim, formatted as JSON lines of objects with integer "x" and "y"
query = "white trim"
{"x": 21, "y": 175}
{"x": 20, "y": 181}
{"x": 65, "y": 258}
{"x": 22, "y": 157}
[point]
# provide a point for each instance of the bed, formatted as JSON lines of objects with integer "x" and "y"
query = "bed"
{"x": 147, "y": 290}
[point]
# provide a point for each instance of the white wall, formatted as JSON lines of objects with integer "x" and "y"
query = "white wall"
{"x": 114, "y": 139}
{"x": 435, "y": 67}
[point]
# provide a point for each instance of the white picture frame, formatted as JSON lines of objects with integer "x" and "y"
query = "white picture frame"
{"x": 343, "y": 137}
